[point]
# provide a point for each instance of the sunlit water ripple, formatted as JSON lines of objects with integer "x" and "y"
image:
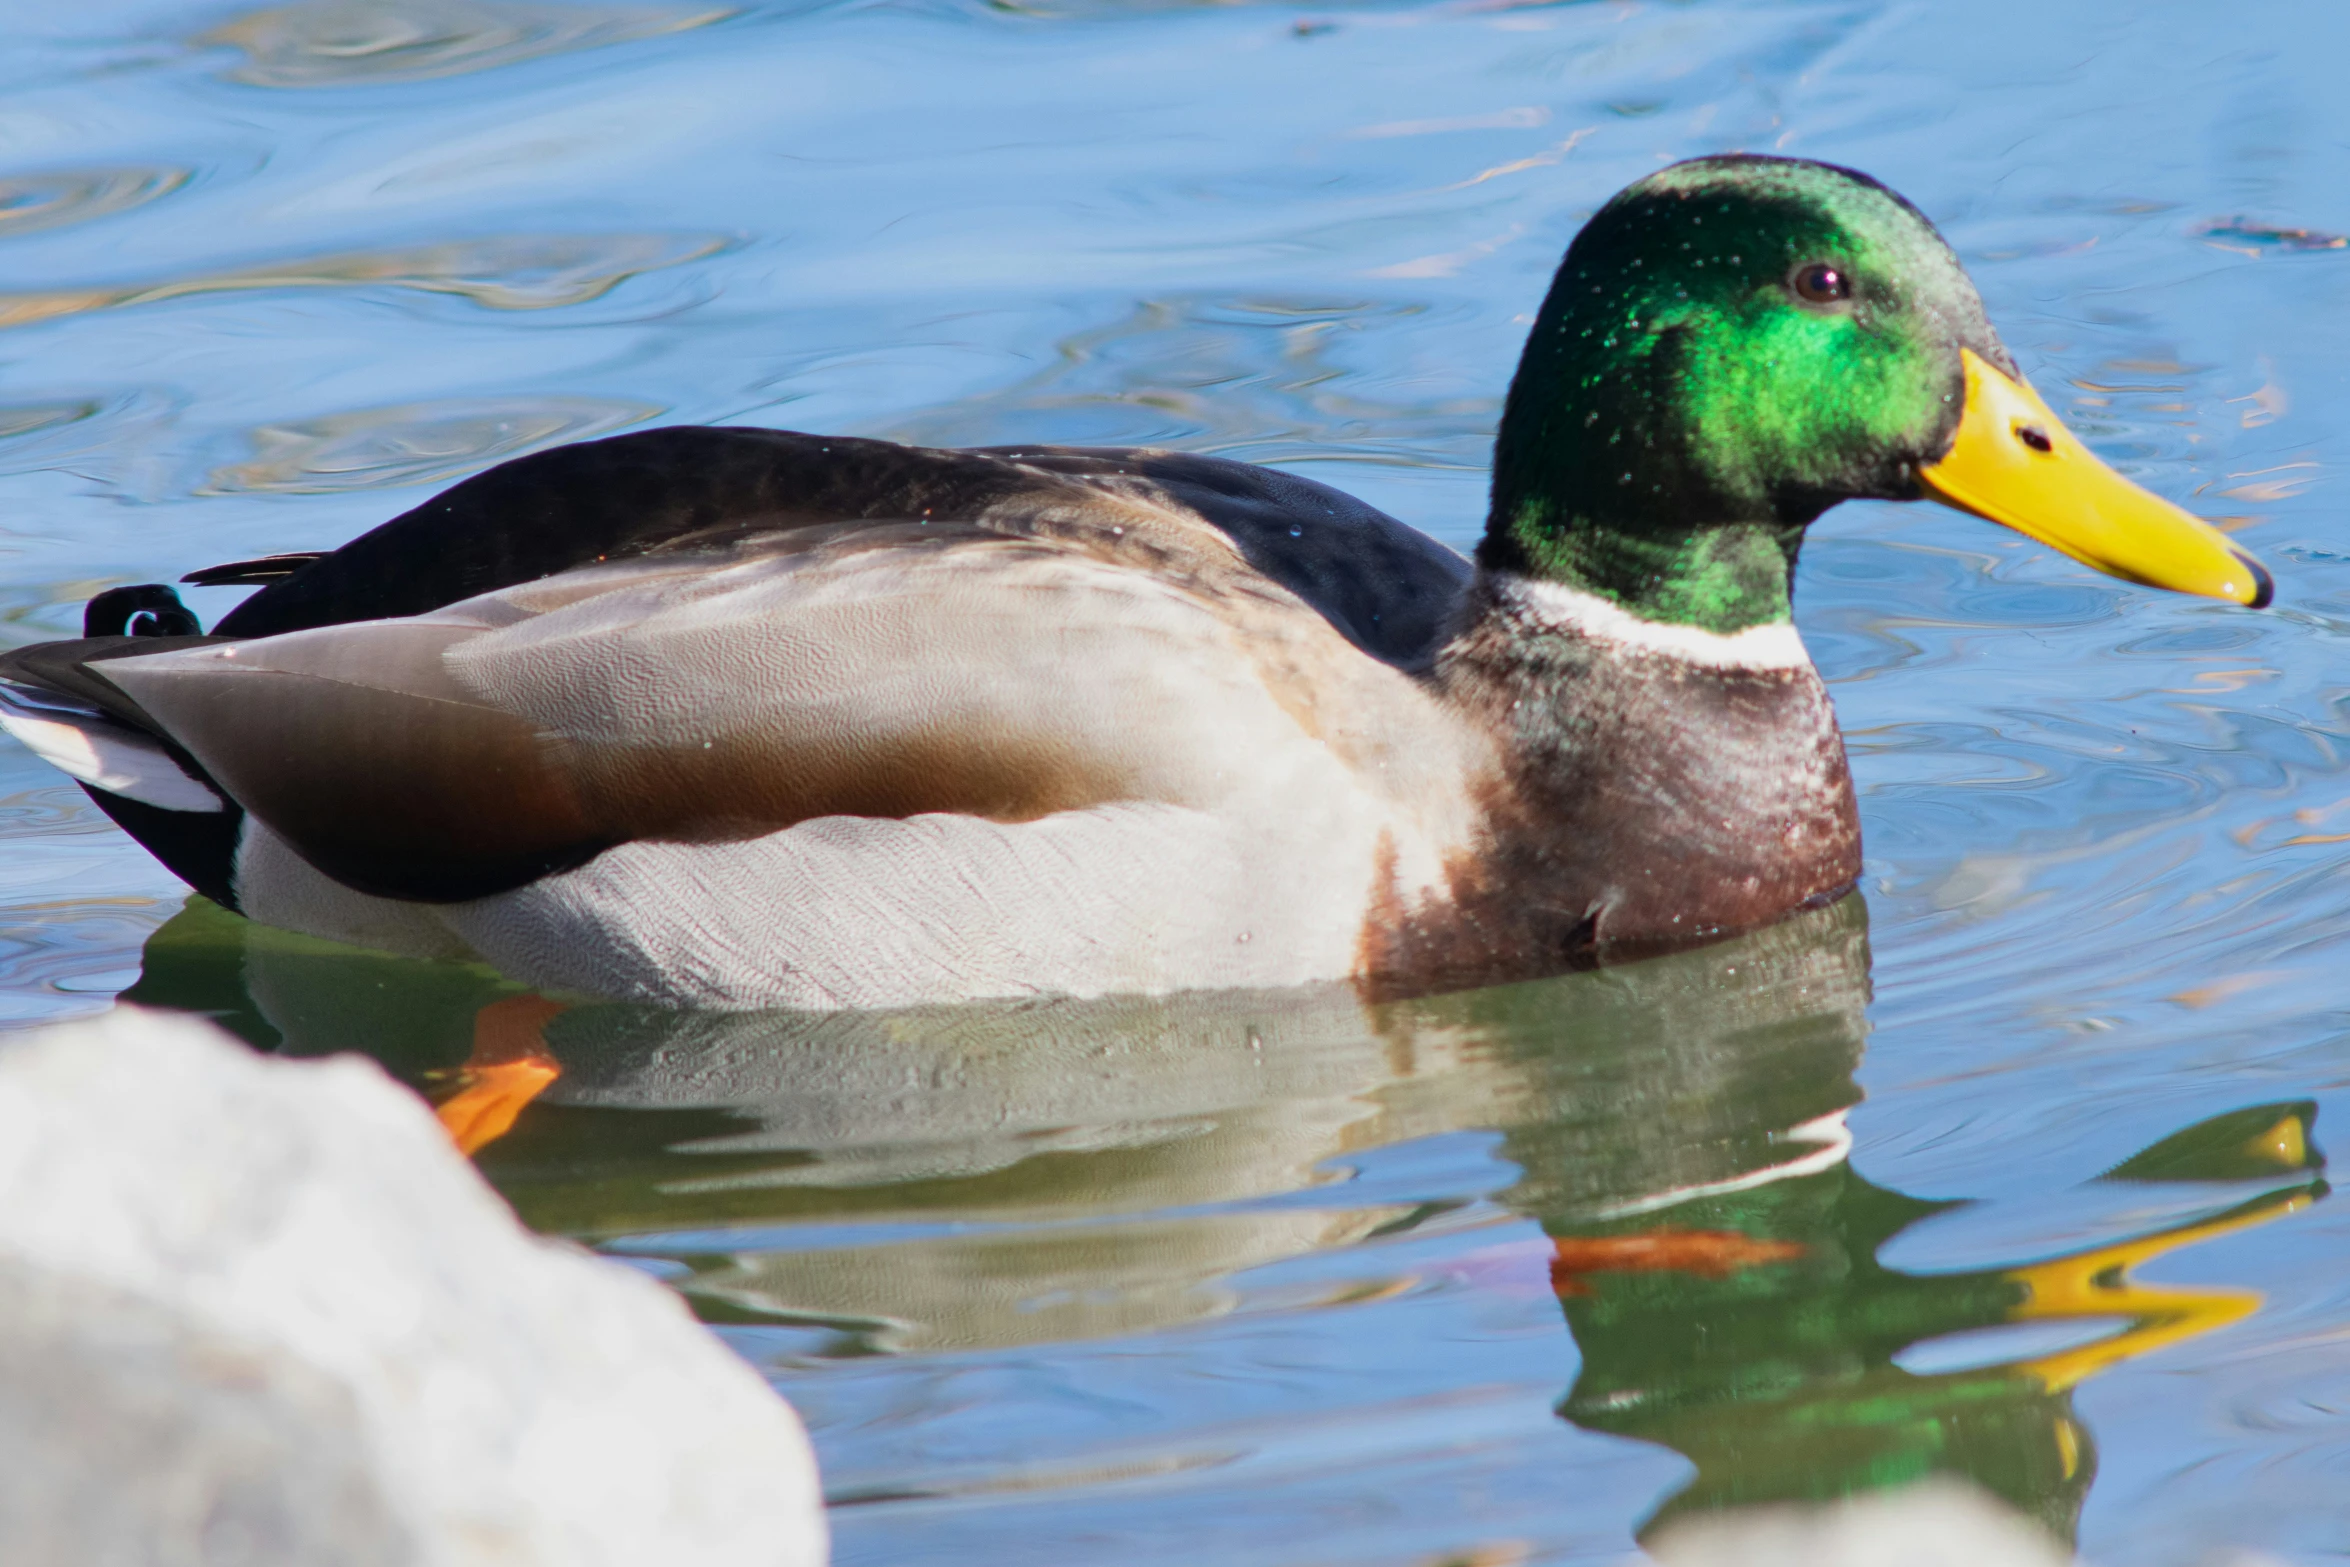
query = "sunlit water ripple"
{"x": 1285, "y": 1279}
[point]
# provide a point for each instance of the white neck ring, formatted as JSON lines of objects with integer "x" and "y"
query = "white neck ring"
{"x": 1776, "y": 645}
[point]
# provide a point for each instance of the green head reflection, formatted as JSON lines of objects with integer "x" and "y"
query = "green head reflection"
{"x": 1757, "y": 1332}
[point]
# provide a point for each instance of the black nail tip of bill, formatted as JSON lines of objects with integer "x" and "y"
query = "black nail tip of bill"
{"x": 2264, "y": 586}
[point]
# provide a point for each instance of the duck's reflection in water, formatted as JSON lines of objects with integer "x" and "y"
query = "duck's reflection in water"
{"x": 1757, "y": 1331}
{"x": 1000, "y": 1175}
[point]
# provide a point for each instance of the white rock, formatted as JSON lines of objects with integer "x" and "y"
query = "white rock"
{"x": 1939, "y": 1523}
{"x": 261, "y": 1311}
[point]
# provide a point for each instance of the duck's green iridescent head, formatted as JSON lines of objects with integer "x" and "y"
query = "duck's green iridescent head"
{"x": 1735, "y": 344}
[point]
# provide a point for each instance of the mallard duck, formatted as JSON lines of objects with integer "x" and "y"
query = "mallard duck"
{"x": 750, "y": 718}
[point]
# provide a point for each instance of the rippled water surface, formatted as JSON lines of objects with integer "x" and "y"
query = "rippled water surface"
{"x": 2015, "y": 1172}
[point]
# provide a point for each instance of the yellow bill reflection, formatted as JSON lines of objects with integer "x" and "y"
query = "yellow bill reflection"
{"x": 2098, "y": 1282}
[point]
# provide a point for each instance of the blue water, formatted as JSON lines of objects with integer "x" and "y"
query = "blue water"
{"x": 1269, "y": 1279}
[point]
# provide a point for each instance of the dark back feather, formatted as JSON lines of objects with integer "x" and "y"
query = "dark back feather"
{"x": 1385, "y": 587}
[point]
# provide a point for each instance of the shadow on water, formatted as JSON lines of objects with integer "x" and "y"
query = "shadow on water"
{"x": 1055, "y": 1172}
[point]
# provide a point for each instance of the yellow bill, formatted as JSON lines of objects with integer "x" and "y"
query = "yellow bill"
{"x": 2015, "y": 463}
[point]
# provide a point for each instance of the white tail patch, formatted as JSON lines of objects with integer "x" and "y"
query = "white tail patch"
{"x": 107, "y": 756}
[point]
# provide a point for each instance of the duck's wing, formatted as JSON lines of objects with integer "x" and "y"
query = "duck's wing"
{"x": 393, "y": 781}
{"x": 1383, "y": 586}
{"x": 877, "y": 670}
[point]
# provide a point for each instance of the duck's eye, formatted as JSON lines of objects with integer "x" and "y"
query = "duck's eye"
{"x": 1822, "y": 282}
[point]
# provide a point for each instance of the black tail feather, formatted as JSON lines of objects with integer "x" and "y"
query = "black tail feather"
{"x": 253, "y": 573}
{"x": 199, "y": 847}
{"x": 149, "y": 609}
